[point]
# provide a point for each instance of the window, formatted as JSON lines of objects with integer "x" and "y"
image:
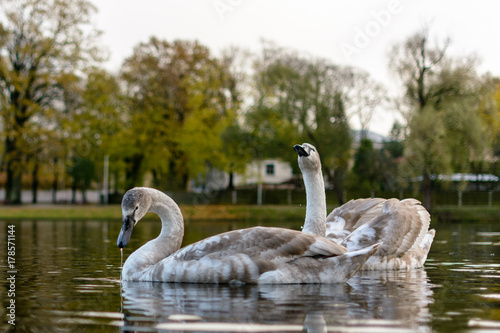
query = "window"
{"x": 270, "y": 169}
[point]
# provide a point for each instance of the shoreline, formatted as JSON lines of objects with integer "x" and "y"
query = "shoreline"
{"x": 221, "y": 212}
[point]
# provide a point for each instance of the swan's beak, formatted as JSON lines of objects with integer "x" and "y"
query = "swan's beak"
{"x": 300, "y": 150}
{"x": 126, "y": 232}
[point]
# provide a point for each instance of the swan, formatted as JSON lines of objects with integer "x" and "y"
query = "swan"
{"x": 258, "y": 255}
{"x": 401, "y": 226}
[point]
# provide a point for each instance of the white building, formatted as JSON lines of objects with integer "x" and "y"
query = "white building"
{"x": 270, "y": 171}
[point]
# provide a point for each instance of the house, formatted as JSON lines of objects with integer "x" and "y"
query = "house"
{"x": 266, "y": 172}
{"x": 269, "y": 171}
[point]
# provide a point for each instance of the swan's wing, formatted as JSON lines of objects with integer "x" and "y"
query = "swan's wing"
{"x": 356, "y": 212}
{"x": 245, "y": 255}
{"x": 401, "y": 226}
{"x": 350, "y": 216}
{"x": 262, "y": 242}
{"x": 425, "y": 219}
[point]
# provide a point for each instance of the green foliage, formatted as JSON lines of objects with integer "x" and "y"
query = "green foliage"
{"x": 395, "y": 145}
{"x": 178, "y": 104}
{"x": 445, "y": 131}
{"x": 301, "y": 100}
{"x": 426, "y": 149}
{"x": 43, "y": 44}
{"x": 174, "y": 112}
{"x": 365, "y": 165}
{"x": 375, "y": 170}
{"x": 82, "y": 170}
{"x": 489, "y": 110}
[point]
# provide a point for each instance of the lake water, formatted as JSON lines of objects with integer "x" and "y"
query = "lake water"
{"x": 68, "y": 280}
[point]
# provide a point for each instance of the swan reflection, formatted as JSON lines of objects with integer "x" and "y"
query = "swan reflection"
{"x": 386, "y": 299}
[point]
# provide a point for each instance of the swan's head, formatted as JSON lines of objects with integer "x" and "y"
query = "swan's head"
{"x": 309, "y": 159}
{"x": 135, "y": 204}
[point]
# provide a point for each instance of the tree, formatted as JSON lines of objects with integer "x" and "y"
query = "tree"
{"x": 179, "y": 101}
{"x": 82, "y": 171}
{"x": 364, "y": 98}
{"x": 395, "y": 144}
{"x": 40, "y": 43}
{"x": 390, "y": 158}
{"x": 333, "y": 135}
{"x": 444, "y": 130}
{"x": 298, "y": 99}
{"x": 418, "y": 64}
{"x": 236, "y": 140}
{"x": 489, "y": 110}
{"x": 95, "y": 122}
{"x": 495, "y": 135}
{"x": 365, "y": 166}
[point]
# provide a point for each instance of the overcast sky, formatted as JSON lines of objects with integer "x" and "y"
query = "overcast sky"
{"x": 354, "y": 32}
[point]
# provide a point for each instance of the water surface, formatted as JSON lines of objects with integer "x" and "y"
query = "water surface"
{"x": 68, "y": 280}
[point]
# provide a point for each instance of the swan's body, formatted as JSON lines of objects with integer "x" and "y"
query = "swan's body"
{"x": 253, "y": 255}
{"x": 401, "y": 226}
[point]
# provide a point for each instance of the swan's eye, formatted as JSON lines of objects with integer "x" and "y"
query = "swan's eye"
{"x": 136, "y": 208}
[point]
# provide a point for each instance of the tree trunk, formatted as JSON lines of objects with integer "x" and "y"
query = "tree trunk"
{"x": 35, "y": 183}
{"x": 156, "y": 180}
{"x": 132, "y": 173}
{"x": 13, "y": 153}
{"x": 230, "y": 186}
{"x": 116, "y": 178}
{"x": 338, "y": 191}
{"x": 74, "y": 188}
{"x": 55, "y": 182}
{"x": 14, "y": 174}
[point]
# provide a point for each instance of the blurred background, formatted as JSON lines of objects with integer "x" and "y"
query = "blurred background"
{"x": 205, "y": 100}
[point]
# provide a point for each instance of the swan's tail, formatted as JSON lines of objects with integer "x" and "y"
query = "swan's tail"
{"x": 425, "y": 246}
{"x": 353, "y": 261}
{"x": 427, "y": 241}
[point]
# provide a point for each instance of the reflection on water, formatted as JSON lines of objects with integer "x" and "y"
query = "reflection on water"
{"x": 69, "y": 272}
{"x": 465, "y": 272}
{"x": 394, "y": 300}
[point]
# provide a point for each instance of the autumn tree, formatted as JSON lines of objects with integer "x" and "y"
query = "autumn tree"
{"x": 366, "y": 167}
{"x": 441, "y": 92}
{"x": 489, "y": 110}
{"x": 179, "y": 100}
{"x": 365, "y": 98}
{"x": 41, "y": 42}
{"x": 299, "y": 99}
{"x": 236, "y": 140}
{"x": 495, "y": 130}
{"x": 390, "y": 157}
{"x": 91, "y": 126}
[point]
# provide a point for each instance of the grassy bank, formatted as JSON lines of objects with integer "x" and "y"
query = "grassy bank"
{"x": 221, "y": 212}
{"x": 113, "y": 212}
{"x": 466, "y": 213}
{"x": 60, "y": 212}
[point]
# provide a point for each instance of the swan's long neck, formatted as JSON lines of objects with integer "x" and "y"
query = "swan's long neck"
{"x": 169, "y": 240}
{"x": 172, "y": 222}
{"x": 315, "y": 222}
